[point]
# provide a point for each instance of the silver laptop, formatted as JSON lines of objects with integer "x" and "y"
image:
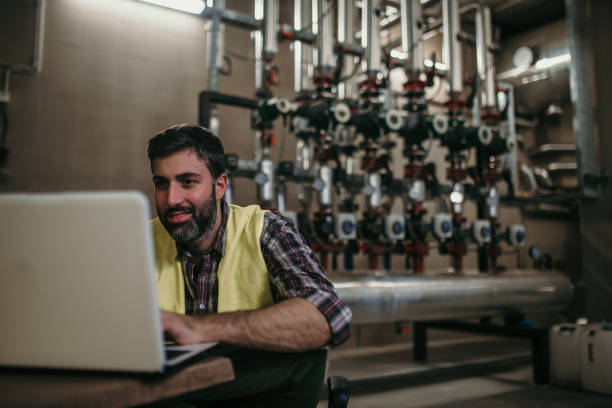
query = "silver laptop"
{"x": 77, "y": 284}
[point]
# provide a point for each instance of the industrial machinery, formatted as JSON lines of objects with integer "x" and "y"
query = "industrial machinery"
{"x": 361, "y": 147}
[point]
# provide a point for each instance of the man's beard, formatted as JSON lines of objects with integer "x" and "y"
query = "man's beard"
{"x": 201, "y": 221}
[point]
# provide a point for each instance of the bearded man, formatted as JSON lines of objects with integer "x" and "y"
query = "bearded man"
{"x": 240, "y": 276}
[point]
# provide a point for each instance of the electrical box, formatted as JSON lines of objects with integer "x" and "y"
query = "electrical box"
{"x": 346, "y": 226}
{"x": 443, "y": 226}
{"x": 395, "y": 227}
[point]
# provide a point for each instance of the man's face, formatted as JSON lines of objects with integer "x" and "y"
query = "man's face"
{"x": 185, "y": 195}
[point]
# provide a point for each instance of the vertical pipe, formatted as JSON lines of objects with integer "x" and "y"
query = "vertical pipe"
{"x": 297, "y": 47}
{"x": 376, "y": 199}
{"x": 346, "y": 34}
{"x": 481, "y": 54}
{"x": 451, "y": 48}
{"x": 259, "y": 45}
{"x": 315, "y": 30}
{"x": 302, "y": 164}
{"x": 370, "y": 36}
{"x": 412, "y": 42}
{"x": 325, "y": 195}
{"x": 490, "y": 91}
{"x": 267, "y": 190}
{"x": 213, "y": 28}
{"x": 302, "y": 56}
{"x": 580, "y": 90}
{"x": 270, "y": 34}
{"x": 281, "y": 193}
{"x": 40, "y": 36}
{"x": 325, "y": 39}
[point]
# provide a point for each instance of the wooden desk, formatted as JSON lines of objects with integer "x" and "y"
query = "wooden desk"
{"x": 24, "y": 388}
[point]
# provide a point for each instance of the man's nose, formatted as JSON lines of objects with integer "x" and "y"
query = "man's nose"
{"x": 175, "y": 195}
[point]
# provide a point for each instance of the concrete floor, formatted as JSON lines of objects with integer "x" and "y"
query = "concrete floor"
{"x": 462, "y": 371}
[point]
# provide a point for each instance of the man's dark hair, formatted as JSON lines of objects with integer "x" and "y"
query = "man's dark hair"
{"x": 184, "y": 136}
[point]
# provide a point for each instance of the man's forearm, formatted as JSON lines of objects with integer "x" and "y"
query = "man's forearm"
{"x": 292, "y": 325}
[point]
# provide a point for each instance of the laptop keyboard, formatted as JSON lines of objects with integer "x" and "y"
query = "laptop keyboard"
{"x": 170, "y": 354}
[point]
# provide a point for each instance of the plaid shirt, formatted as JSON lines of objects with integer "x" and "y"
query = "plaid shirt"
{"x": 293, "y": 270}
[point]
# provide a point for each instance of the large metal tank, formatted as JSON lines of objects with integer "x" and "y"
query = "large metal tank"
{"x": 377, "y": 298}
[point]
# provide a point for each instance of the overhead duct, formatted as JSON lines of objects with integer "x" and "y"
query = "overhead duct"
{"x": 390, "y": 298}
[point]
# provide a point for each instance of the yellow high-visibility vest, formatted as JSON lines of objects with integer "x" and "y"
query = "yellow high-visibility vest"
{"x": 242, "y": 276}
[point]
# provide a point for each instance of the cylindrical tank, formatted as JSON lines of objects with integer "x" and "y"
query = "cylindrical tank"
{"x": 390, "y": 298}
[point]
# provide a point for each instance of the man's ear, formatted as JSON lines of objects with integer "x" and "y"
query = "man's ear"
{"x": 220, "y": 186}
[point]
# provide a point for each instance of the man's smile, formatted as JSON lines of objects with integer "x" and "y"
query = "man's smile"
{"x": 178, "y": 216}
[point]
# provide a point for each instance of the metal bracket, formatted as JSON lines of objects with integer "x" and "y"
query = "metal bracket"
{"x": 232, "y": 18}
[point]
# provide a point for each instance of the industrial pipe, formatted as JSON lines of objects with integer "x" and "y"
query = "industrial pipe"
{"x": 451, "y": 47}
{"x": 370, "y": 37}
{"x": 484, "y": 56}
{"x": 390, "y": 298}
{"x": 325, "y": 35}
{"x": 346, "y": 34}
{"x": 412, "y": 32}
{"x": 302, "y": 53}
{"x": 270, "y": 29}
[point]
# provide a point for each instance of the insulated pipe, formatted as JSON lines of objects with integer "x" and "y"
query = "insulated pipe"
{"x": 302, "y": 163}
{"x": 214, "y": 44}
{"x": 370, "y": 35}
{"x": 481, "y": 53}
{"x": 451, "y": 48}
{"x": 388, "y": 298}
{"x": 412, "y": 41}
{"x": 270, "y": 29}
{"x": 258, "y": 40}
{"x": 490, "y": 91}
{"x": 346, "y": 34}
{"x": 376, "y": 199}
{"x": 302, "y": 52}
{"x": 325, "y": 38}
{"x": 325, "y": 193}
{"x": 266, "y": 181}
{"x": 580, "y": 90}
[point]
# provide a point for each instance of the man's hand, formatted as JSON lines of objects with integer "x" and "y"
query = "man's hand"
{"x": 181, "y": 328}
{"x": 292, "y": 325}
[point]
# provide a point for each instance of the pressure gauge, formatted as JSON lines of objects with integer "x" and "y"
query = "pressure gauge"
{"x": 523, "y": 57}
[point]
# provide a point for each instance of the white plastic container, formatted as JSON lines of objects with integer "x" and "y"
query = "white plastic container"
{"x": 596, "y": 358}
{"x": 564, "y": 341}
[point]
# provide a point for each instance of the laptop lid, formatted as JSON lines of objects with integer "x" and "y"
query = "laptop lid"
{"x": 77, "y": 282}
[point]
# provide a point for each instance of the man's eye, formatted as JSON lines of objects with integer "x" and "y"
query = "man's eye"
{"x": 189, "y": 182}
{"x": 160, "y": 184}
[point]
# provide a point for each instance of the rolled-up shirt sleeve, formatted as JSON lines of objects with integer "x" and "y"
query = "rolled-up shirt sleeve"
{"x": 295, "y": 271}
